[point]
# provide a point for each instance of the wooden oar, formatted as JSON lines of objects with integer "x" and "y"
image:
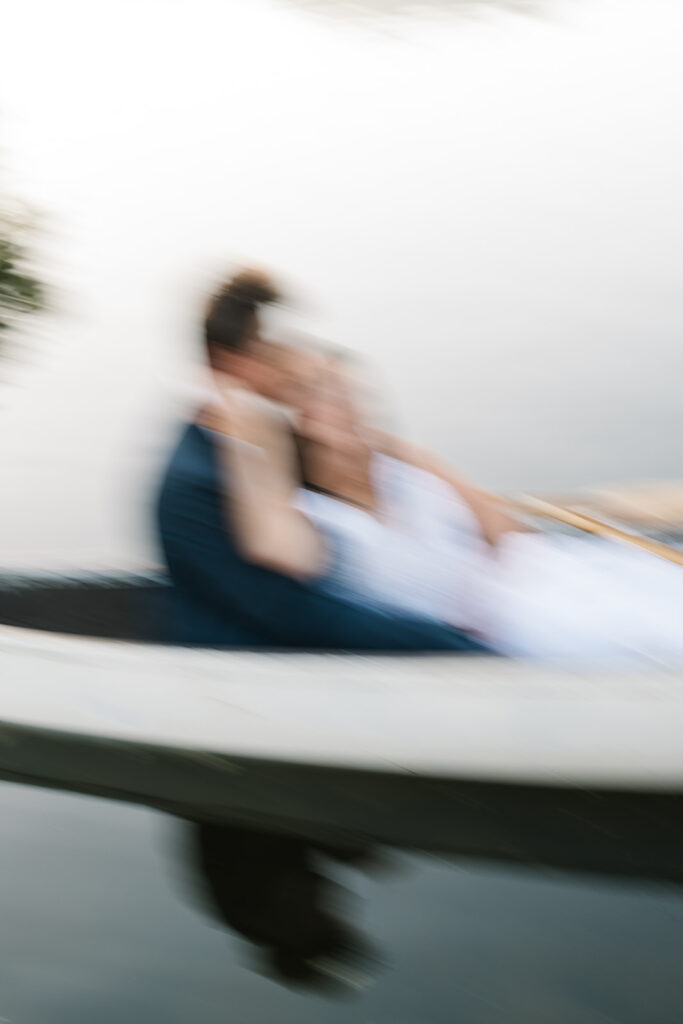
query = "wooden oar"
{"x": 538, "y": 507}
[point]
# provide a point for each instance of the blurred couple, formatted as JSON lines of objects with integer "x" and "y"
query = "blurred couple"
{"x": 288, "y": 520}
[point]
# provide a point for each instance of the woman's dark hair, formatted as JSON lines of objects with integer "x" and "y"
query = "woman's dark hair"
{"x": 231, "y": 319}
{"x": 300, "y": 461}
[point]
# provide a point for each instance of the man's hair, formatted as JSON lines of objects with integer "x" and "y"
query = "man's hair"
{"x": 231, "y": 317}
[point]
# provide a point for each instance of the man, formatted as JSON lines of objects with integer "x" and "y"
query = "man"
{"x": 219, "y": 598}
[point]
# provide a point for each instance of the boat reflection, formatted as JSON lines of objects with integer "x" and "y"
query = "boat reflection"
{"x": 94, "y": 928}
{"x": 279, "y": 893}
{"x": 282, "y": 892}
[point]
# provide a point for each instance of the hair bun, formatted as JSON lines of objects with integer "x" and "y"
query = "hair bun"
{"x": 253, "y": 287}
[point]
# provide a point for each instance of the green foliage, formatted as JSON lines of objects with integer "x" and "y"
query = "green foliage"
{"x": 20, "y": 291}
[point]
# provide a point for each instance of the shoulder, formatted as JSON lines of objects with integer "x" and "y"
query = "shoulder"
{"x": 406, "y": 463}
{"x": 404, "y": 452}
{"x": 190, "y": 468}
{"x": 243, "y": 415}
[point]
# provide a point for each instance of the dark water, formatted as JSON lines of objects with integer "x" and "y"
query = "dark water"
{"x": 106, "y": 917}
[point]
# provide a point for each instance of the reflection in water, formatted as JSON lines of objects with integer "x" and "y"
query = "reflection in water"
{"x": 93, "y": 930}
{"x": 274, "y": 891}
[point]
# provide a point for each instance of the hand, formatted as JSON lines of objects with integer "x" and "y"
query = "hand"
{"x": 246, "y": 416}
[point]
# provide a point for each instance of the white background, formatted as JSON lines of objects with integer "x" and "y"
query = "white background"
{"x": 489, "y": 208}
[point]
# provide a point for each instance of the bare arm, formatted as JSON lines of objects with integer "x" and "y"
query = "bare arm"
{"x": 494, "y": 519}
{"x": 259, "y": 462}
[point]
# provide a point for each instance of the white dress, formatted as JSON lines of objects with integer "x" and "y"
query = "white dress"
{"x": 419, "y": 555}
{"x": 572, "y": 599}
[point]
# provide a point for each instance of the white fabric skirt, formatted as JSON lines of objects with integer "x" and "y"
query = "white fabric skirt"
{"x": 581, "y": 600}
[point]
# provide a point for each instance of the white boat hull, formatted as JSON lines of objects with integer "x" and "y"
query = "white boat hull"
{"x": 475, "y": 757}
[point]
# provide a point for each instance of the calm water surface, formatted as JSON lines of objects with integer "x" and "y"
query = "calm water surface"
{"x": 103, "y": 920}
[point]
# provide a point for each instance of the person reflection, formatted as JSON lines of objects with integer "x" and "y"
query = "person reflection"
{"x": 273, "y": 890}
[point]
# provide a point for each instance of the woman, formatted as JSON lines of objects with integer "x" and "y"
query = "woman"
{"x": 382, "y": 524}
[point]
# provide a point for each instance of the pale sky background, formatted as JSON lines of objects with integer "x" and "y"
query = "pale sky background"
{"x": 490, "y": 208}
